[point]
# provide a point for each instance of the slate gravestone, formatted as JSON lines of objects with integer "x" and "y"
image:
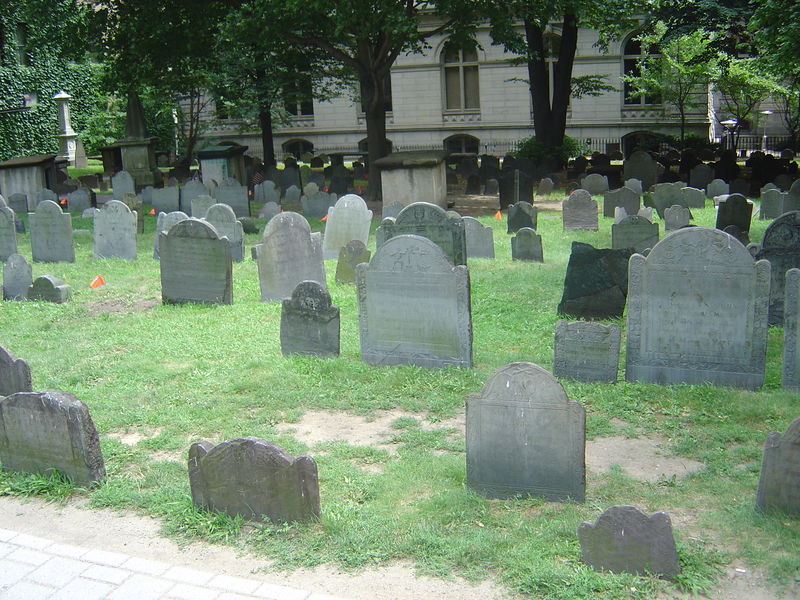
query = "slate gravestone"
{"x": 315, "y": 203}
{"x": 717, "y": 187}
{"x": 791, "y": 331}
{"x": 780, "y": 245}
{"x": 521, "y": 214}
{"x": 122, "y": 183}
{"x": 779, "y": 485}
{"x": 414, "y": 306}
{"x": 492, "y": 187}
{"x": 79, "y": 200}
{"x": 351, "y": 255}
{"x": 480, "y": 238}
{"x": 545, "y": 186}
{"x": 147, "y": 195}
{"x": 349, "y": 219}
{"x": 200, "y": 206}
{"x": 255, "y": 479}
{"x": 17, "y": 278}
{"x": 772, "y": 204}
{"x": 527, "y": 245}
{"x": 49, "y": 289}
{"x": 309, "y": 322}
{"x": 640, "y": 165}
{"x": 51, "y": 234}
{"x": 223, "y": 218}
{"x": 289, "y": 177}
{"x": 291, "y": 196}
{"x": 626, "y": 540}
{"x": 473, "y": 184}
{"x": 166, "y": 200}
{"x": 8, "y": 233}
{"x": 634, "y": 232}
{"x": 269, "y": 210}
{"x": 794, "y": 189}
{"x": 18, "y": 203}
{"x": 741, "y": 236}
{"x": 701, "y": 175}
{"x": 675, "y": 217}
{"x": 164, "y": 223}
{"x": 595, "y": 184}
{"x": 791, "y": 203}
{"x": 15, "y": 376}
{"x": 596, "y": 282}
{"x": 196, "y": 264}
{"x": 134, "y": 202}
{"x": 735, "y": 210}
{"x": 624, "y": 197}
{"x": 46, "y": 195}
{"x": 634, "y": 184}
{"x": 191, "y": 190}
{"x": 769, "y": 186}
{"x": 265, "y": 192}
{"x": 619, "y": 214}
{"x": 740, "y": 186}
{"x": 586, "y": 351}
{"x": 719, "y": 296}
{"x": 114, "y": 233}
{"x": 666, "y": 195}
{"x": 392, "y": 209}
{"x": 288, "y": 254}
{"x": 43, "y": 431}
{"x": 305, "y": 171}
{"x": 235, "y": 196}
{"x": 646, "y": 212}
{"x": 316, "y": 178}
{"x": 692, "y": 198}
{"x": 579, "y": 211}
{"x": 515, "y": 186}
{"x": 525, "y": 437}
{"x": 432, "y": 222}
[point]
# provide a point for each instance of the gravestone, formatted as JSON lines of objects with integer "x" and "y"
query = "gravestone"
{"x": 692, "y": 198}
{"x": 15, "y": 375}
{"x": 265, "y": 192}
{"x": 134, "y": 202}
{"x": 666, "y": 195}
{"x": 492, "y": 187}
{"x": 195, "y": 264}
{"x": 521, "y": 214}
{"x": 79, "y": 200}
{"x": 269, "y": 210}
{"x": 772, "y": 204}
{"x": 779, "y": 485}
{"x": 735, "y": 210}
{"x": 740, "y": 186}
{"x": 164, "y": 223}
{"x": 640, "y": 165}
{"x": 626, "y": 540}
{"x": 625, "y": 197}
{"x": 166, "y": 199}
{"x": 18, "y": 203}
{"x": 769, "y": 186}
{"x": 780, "y": 245}
{"x": 49, "y": 289}
{"x": 114, "y": 233}
{"x": 146, "y": 195}
{"x": 309, "y": 322}
{"x": 480, "y": 238}
{"x": 646, "y": 212}
{"x": 414, "y": 306}
{"x": 223, "y": 218}
{"x": 291, "y": 197}
{"x": 8, "y": 233}
{"x": 305, "y": 171}
{"x": 234, "y": 195}
{"x": 316, "y": 178}
{"x": 473, "y": 185}
{"x": 527, "y": 245}
{"x": 289, "y": 177}
{"x": 254, "y": 478}
{"x": 525, "y": 437}
{"x": 634, "y": 232}
{"x": 429, "y": 221}
{"x": 579, "y": 211}
{"x": 200, "y": 206}
{"x": 351, "y": 255}
{"x": 349, "y": 219}
{"x": 697, "y": 278}
{"x": 586, "y": 351}
{"x": 675, "y": 217}
{"x": 701, "y": 175}
{"x": 188, "y": 192}
{"x": 515, "y": 186}
{"x": 122, "y": 183}
{"x": 51, "y": 234}
{"x": 794, "y": 190}
{"x": 619, "y": 214}
{"x": 634, "y": 184}
{"x": 43, "y": 431}
{"x": 717, "y": 187}
{"x": 315, "y": 203}
{"x": 595, "y": 184}
{"x": 741, "y": 236}
{"x": 596, "y": 282}
{"x": 17, "y": 278}
{"x": 392, "y": 209}
{"x": 791, "y": 331}
{"x": 45, "y": 194}
{"x": 546, "y": 186}
{"x": 288, "y": 254}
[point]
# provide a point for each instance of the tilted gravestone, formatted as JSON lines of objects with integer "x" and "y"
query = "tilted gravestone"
{"x": 349, "y": 219}
{"x": 521, "y": 214}
{"x": 480, "y": 238}
{"x": 525, "y": 437}
{"x": 114, "y": 232}
{"x": 625, "y": 197}
{"x": 717, "y": 187}
{"x": 640, "y": 165}
{"x": 200, "y": 205}
{"x": 42, "y": 431}
{"x": 196, "y": 264}
{"x": 392, "y": 209}
{"x": 735, "y": 210}
{"x": 634, "y": 232}
{"x": 595, "y": 184}
{"x": 288, "y": 254}
{"x": 692, "y": 198}
{"x": 719, "y": 296}
{"x": 233, "y": 194}
{"x": 676, "y": 217}
{"x": 309, "y": 322}
{"x": 515, "y": 186}
{"x": 191, "y": 190}
{"x": 254, "y": 478}
{"x": 351, "y": 255}
{"x": 15, "y": 376}
{"x": 779, "y": 485}
{"x": 79, "y": 200}
{"x": 164, "y": 223}
{"x": 122, "y": 183}
{"x": 596, "y": 282}
{"x": 223, "y": 218}
{"x": 586, "y": 351}
{"x": 166, "y": 200}
{"x": 772, "y": 204}
{"x": 432, "y": 222}
{"x": 8, "y": 233}
{"x": 579, "y": 211}
{"x": 527, "y": 245}
{"x": 791, "y": 331}
{"x": 17, "y": 278}
{"x": 269, "y": 210}
{"x": 780, "y": 245}
{"x": 51, "y": 234}
{"x": 414, "y": 306}
{"x": 49, "y": 289}
{"x": 626, "y": 540}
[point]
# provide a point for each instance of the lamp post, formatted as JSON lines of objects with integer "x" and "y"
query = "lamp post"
{"x": 766, "y": 114}
{"x": 729, "y": 125}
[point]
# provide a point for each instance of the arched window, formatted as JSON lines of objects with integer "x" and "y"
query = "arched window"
{"x": 462, "y": 144}
{"x": 461, "y": 77}
{"x": 297, "y": 147}
{"x": 631, "y": 57}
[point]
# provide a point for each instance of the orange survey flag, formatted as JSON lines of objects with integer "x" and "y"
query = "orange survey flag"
{"x": 97, "y": 282}
{"x": 498, "y": 215}
{"x": 325, "y": 218}
{"x": 152, "y": 211}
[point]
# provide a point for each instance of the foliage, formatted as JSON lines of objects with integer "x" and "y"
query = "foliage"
{"x": 776, "y": 24}
{"x": 53, "y": 485}
{"x": 538, "y": 152}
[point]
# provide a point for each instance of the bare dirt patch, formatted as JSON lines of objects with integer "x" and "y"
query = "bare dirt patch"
{"x": 133, "y": 435}
{"x": 112, "y": 306}
{"x": 642, "y": 458}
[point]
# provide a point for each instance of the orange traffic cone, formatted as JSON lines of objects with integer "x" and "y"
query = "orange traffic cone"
{"x": 97, "y": 282}
{"x": 325, "y": 218}
{"x": 498, "y": 215}
{"x": 152, "y": 211}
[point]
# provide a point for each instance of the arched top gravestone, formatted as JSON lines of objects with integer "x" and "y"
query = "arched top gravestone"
{"x": 15, "y": 376}
{"x": 779, "y": 486}
{"x": 625, "y": 197}
{"x": 640, "y": 165}
{"x": 17, "y": 278}
{"x": 780, "y": 245}
{"x": 431, "y": 222}
{"x": 579, "y": 211}
{"x": 480, "y": 238}
{"x": 8, "y": 233}
{"x": 164, "y": 223}
{"x": 351, "y": 255}
{"x": 634, "y": 232}
{"x": 521, "y": 214}
{"x": 223, "y": 218}
{"x": 349, "y": 219}
{"x": 51, "y": 234}
{"x": 309, "y": 322}
{"x": 114, "y": 232}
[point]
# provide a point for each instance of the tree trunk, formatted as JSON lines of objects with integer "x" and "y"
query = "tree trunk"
{"x": 375, "y": 117}
{"x": 267, "y": 140}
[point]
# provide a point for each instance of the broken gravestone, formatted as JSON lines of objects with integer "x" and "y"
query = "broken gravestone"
{"x": 586, "y": 351}
{"x": 309, "y": 322}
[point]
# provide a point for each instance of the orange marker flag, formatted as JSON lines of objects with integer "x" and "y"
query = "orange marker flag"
{"x": 97, "y": 282}
{"x": 63, "y": 202}
{"x": 152, "y": 211}
{"x": 325, "y": 218}
{"x": 498, "y": 215}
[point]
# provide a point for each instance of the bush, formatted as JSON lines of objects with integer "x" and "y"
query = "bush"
{"x": 541, "y": 153}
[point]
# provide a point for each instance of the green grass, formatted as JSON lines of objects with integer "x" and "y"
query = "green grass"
{"x": 172, "y": 375}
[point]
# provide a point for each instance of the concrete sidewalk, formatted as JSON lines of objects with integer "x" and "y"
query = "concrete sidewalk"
{"x": 35, "y": 568}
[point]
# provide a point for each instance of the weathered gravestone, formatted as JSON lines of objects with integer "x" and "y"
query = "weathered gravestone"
{"x": 134, "y": 202}
{"x": 49, "y": 289}
{"x": 315, "y": 203}
{"x": 316, "y": 178}
{"x": 200, "y": 205}
{"x": 646, "y": 212}
{"x": 8, "y": 233}
{"x": 515, "y": 186}
{"x": 15, "y": 376}
{"x": 44, "y": 195}
{"x": 114, "y": 233}
{"x": 233, "y": 194}
{"x": 697, "y": 312}
{"x": 349, "y": 219}
{"x": 781, "y": 247}
{"x": 545, "y": 186}
{"x": 122, "y": 183}
{"x": 269, "y": 210}
{"x": 164, "y": 223}
{"x": 740, "y": 186}
{"x": 595, "y": 184}
{"x": 596, "y": 282}
{"x": 527, "y": 245}
{"x": 701, "y": 175}
{"x": 772, "y": 204}
{"x": 626, "y": 540}
{"x": 521, "y": 214}
{"x": 223, "y": 218}
{"x": 414, "y": 306}
{"x": 717, "y": 187}
{"x": 196, "y": 264}
{"x": 692, "y": 198}
{"x": 265, "y": 192}
{"x": 429, "y": 221}
{"x": 289, "y": 177}
{"x": 491, "y": 188}
{"x": 392, "y": 209}
{"x": 586, "y": 351}
{"x": 634, "y": 232}
{"x": 191, "y": 190}
{"x": 625, "y": 197}
{"x": 666, "y": 195}
{"x": 254, "y": 478}
{"x": 43, "y": 431}
{"x": 288, "y": 254}
{"x": 675, "y": 217}
{"x": 640, "y": 165}
{"x": 309, "y": 322}
{"x": 473, "y": 186}
{"x": 291, "y": 197}
{"x": 480, "y": 238}
{"x": 779, "y": 484}
{"x": 166, "y": 200}
{"x": 742, "y": 236}
{"x": 17, "y": 278}
{"x": 79, "y": 200}
{"x": 735, "y": 210}
{"x": 525, "y": 437}
{"x": 51, "y": 234}
{"x": 579, "y": 211}
{"x": 18, "y": 203}
{"x": 634, "y": 184}
{"x": 791, "y": 331}
{"x": 619, "y": 214}
{"x": 351, "y": 255}
{"x": 769, "y": 186}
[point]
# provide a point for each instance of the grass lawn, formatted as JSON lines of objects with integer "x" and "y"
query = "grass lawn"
{"x": 158, "y": 377}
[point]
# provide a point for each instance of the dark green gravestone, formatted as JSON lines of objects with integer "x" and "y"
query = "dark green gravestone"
{"x": 309, "y": 322}
{"x": 527, "y": 245}
{"x": 521, "y": 214}
{"x": 49, "y": 289}
{"x": 779, "y": 484}
{"x": 431, "y": 222}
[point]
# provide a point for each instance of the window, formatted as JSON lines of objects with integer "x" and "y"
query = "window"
{"x": 462, "y": 144}
{"x": 299, "y": 98}
{"x": 387, "y": 95}
{"x": 21, "y": 44}
{"x": 632, "y": 54}
{"x": 221, "y": 110}
{"x": 461, "y": 78}
{"x": 297, "y": 147}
